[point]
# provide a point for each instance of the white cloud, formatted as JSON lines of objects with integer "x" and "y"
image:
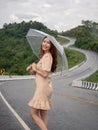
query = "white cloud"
{"x": 14, "y": 18}
{"x": 58, "y": 14}
{"x": 77, "y": 1}
{"x": 47, "y": 5}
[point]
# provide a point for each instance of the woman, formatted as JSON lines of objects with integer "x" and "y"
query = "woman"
{"x": 41, "y": 102}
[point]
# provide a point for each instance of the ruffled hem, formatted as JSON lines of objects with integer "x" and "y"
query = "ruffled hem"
{"x": 39, "y": 104}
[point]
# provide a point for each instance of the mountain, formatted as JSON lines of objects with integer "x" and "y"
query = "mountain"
{"x": 15, "y": 52}
{"x": 86, "y": 35}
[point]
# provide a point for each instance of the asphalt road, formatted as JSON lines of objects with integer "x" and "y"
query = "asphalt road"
{"x": 74, "y": 108}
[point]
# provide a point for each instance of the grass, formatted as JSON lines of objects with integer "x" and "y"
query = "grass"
{"x": 93, "y": 77}
{"x": 74, "y": 57}
{"x": 62, "y": 40}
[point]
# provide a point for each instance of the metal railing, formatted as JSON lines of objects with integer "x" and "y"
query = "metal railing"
{"x": 85, "y": 84}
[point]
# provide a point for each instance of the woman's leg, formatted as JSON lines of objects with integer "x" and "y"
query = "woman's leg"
{"x": 44, "y": 116}
{"x": 35, "y": 115}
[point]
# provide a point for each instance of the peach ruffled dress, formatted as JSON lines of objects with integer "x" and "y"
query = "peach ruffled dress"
{"x": 43, "y": 92}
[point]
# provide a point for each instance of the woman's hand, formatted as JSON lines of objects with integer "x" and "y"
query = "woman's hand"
{"x": 41, "y": 72}
{"x": 30, "y": 68}
{"x": 34, "y": 66}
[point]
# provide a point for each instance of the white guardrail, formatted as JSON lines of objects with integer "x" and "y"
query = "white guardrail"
{"x": 12, "y": 77}
{"x": 85, "y": 84}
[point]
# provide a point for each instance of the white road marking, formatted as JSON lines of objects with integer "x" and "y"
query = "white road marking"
{"x": 15, "y": 114}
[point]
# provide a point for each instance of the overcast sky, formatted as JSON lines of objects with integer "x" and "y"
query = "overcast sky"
{"x": 58, "y": 15}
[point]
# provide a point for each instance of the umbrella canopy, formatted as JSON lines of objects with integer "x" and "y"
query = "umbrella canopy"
{"x": 35, "y": 37}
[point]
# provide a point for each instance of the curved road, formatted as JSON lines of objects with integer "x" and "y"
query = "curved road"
{"x": 74, "y": 108}
{"x": 86, "y": 68}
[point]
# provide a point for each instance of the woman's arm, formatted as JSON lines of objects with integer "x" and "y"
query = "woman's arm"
{"x": 39, "y": 71}
{"x": 42, "y": 73}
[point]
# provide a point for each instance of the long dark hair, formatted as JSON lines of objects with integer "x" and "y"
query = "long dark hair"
{"x": 53, "y": 52}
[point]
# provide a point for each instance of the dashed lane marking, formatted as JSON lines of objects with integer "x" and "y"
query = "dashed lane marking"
{"x": 75, "y": 98}
{"x": 15, "y": 113}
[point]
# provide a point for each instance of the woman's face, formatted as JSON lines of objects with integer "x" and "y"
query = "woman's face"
{"x": 46, "y": 45}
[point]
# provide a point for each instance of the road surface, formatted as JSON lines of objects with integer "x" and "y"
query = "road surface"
{"x": 74, "y": 108}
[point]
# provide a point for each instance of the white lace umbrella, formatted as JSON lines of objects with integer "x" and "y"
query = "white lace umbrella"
{"x": 35, "y": 37}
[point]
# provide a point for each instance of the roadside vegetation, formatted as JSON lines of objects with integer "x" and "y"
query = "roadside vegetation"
{"x": 16, "y": 54}
{"x": 62, "y": 40}
{"x": 86, "y": 35}
{"x": 86, "y": 38}
{"x": 74, "y": 57}
{"x": 93, "y": 78}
